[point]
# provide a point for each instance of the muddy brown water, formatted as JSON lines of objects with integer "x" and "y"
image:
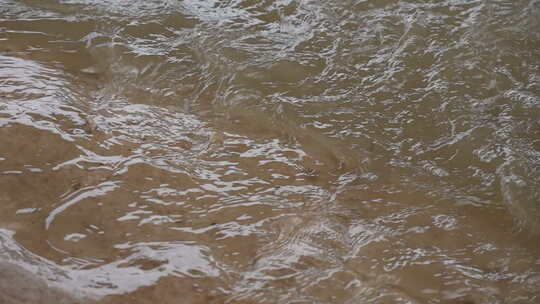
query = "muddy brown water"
{"x": 294, "y": 151}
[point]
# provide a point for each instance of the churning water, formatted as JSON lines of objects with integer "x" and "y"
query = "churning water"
{"x": 288, "y": 151}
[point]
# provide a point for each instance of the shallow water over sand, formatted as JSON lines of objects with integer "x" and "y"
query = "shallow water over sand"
{"x": 270, "y": 152}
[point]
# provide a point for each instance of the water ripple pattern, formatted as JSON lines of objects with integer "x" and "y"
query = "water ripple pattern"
{"x": 291, "y": 151}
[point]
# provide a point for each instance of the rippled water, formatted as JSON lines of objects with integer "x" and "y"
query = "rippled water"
{"x": 270, "y": 151}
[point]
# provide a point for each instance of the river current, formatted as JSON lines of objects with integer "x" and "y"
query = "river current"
{"x": 288, "y": 151}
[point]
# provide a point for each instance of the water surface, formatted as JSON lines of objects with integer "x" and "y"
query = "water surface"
{"x": 272, "y": 151}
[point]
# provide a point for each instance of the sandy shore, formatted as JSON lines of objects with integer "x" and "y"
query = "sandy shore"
{"x": 19, "y": 286}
